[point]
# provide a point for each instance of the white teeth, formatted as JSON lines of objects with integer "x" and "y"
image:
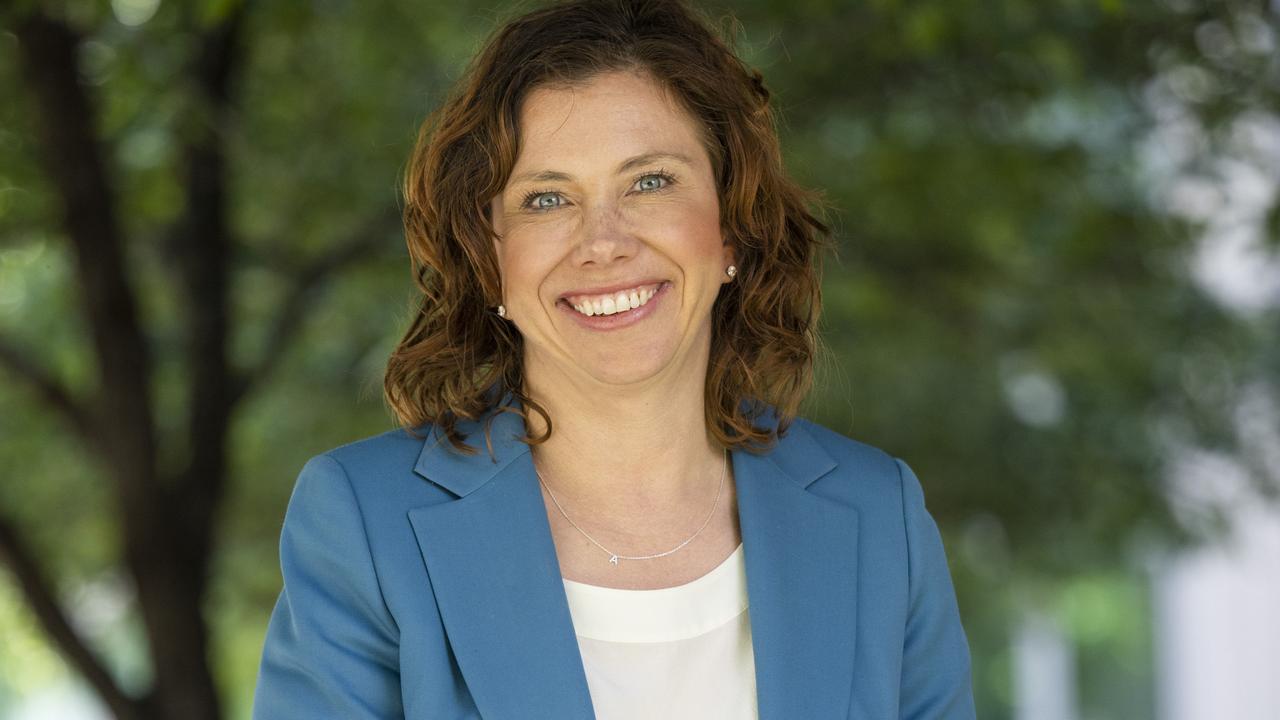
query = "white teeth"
{"x": 613, "y": 304}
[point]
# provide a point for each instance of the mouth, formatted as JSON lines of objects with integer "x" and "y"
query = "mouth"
{"x": 615, "y": 313}
{"x": 613, "y": 302}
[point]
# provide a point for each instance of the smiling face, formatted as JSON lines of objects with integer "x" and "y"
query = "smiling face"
{"x": 611, "y": 204}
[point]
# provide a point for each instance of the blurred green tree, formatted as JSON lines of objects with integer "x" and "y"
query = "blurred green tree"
{"x": 201, "y": 274}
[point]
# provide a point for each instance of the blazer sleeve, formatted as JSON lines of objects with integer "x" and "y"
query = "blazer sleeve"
{"x": 936, "y": 680}
{"x": 332, "y": 646}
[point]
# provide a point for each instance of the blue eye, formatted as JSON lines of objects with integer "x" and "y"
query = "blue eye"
{"x": 650, "y": 182}
{"x": 540, "y": 196}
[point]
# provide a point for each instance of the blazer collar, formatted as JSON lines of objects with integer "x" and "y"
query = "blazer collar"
{"x": 496, "y": 578}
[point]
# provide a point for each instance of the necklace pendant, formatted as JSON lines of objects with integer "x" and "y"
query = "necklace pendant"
{"x": 613, "y": 559}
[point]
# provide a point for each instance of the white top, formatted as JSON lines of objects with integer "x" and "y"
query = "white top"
{"x": 677, "y": 652}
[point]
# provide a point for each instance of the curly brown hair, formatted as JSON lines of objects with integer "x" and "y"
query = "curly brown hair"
{"x": 459, "y": 360}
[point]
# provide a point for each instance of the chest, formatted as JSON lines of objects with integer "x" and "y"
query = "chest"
{"x": 677, "y": 652}
{"x": 583, "y": 561}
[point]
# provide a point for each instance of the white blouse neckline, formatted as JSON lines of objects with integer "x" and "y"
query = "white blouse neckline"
{"x": 664, "y": 614}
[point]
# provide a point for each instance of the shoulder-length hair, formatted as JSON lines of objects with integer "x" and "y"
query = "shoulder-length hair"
{"x": 458, "y": 359}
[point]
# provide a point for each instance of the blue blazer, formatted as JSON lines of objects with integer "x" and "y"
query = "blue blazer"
{"x": 422, "y": 583}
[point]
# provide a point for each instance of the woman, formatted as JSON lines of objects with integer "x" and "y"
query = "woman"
{"x": 619, "y": 296}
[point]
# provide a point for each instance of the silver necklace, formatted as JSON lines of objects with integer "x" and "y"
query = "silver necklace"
{"x": 615, "y": 557}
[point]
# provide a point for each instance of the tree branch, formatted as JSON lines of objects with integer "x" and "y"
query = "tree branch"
{"x": 361, "y": 245}
{"x": 48, "y": 388}
{"x": 201, "y": 245}
{"x": 40, "y": 598}
{"x": 48, "y": 54}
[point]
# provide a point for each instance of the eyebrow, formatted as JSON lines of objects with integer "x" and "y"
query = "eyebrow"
{"x": 628, "y": 164}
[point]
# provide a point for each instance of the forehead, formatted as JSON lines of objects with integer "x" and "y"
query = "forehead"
{"x": 617, "y": 113}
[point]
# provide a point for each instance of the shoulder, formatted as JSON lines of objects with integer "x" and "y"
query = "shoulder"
{"x": 864, "y": 467}
{"x": 393, "y": 448}
{"x": 380, "y": 469}
{"x": 843, "y": 448}
{"x": 879, "y": 485}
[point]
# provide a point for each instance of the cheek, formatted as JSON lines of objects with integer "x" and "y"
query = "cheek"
{"x": 518, "y": 266}
{"x": 693, "y": 231}
{"x": 525, "y": 264}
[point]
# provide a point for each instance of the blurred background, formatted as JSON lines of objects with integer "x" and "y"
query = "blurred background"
{"x": 1057, "y": 295}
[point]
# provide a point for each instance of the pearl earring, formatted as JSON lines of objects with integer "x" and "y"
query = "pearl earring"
{"x": 731, "y": 270}
{"x": 502, "y": 311}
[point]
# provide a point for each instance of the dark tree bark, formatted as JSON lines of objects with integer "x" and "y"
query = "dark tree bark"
{"x": 168, "y": 518}
{"x": 165, "y": 551}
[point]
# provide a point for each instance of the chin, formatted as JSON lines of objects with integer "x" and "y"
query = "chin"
{"x": 629, "y": 375}
{"x": 622, "y": 379}
{"x": 629, "y": 370}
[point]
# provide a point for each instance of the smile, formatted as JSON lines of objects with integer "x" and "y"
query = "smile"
{"x": 613, "y": 303}
{"x": 615, "y": 310}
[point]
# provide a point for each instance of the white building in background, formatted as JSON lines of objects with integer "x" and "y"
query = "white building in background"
{"x": 1215, "y": 620}
{"x": 1217, "y": 609}
{"x": 1044, "y": 670}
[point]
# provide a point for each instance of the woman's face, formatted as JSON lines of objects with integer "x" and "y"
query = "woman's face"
{"x": 612, "y": 202}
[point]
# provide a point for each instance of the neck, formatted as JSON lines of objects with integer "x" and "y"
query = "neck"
{"x": 621, "y": 454}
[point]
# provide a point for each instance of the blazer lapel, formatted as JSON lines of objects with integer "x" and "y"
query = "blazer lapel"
{"x": 496, "y": 579}
{"x": 801, "y": 557}
{"x": 493, "y": 568}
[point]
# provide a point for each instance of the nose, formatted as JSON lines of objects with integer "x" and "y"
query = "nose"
{"x": 604, "y": 236}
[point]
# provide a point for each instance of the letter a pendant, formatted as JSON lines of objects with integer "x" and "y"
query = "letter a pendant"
{"x": 613, "y": 559}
